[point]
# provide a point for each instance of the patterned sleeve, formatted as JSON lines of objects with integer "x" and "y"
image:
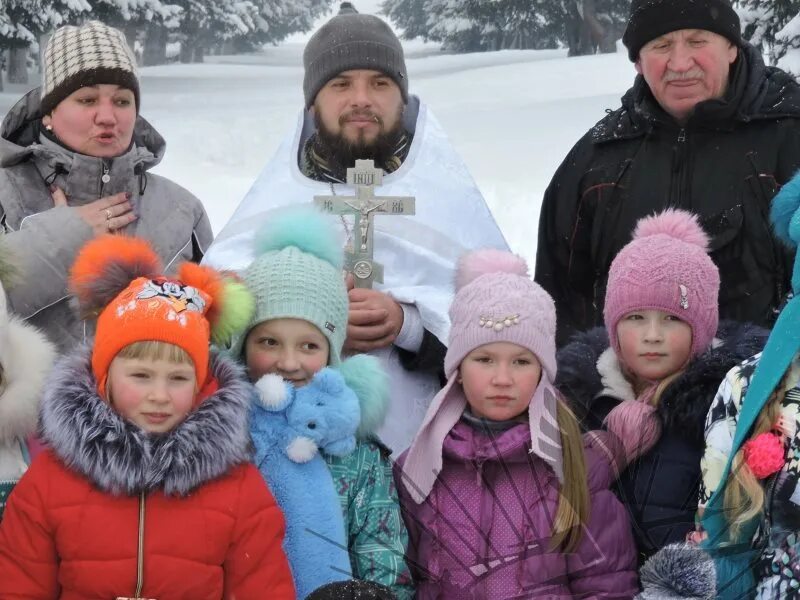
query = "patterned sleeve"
{"x": 377, "y": 537}
{"x": 721, "y": 427}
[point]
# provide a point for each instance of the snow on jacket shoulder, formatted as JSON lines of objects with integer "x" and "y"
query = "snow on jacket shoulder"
{"x": 484, "y": 530}
{"x": 46, "y": 239}
{"x": 637, "y": 161}
{"x": 211, "y": 528}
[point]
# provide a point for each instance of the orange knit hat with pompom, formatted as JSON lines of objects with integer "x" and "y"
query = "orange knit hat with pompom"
{"x": 118, "y": 280}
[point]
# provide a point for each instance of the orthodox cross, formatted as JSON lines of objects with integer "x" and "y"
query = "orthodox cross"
{"x": 363, "y": 207}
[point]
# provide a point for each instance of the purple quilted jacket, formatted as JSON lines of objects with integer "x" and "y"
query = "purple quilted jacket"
{"x": 484, "y": 530}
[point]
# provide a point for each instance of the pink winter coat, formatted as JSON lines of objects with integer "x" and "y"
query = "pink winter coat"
{"x": 484, "y": 530}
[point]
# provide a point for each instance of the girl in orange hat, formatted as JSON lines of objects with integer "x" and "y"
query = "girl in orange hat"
{"x": 145, "y": 490}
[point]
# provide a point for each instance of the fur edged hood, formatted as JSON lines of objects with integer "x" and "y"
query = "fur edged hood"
{"x": 26, "y": 361}
{"x": 588, "y": 369}
{"x": 119, "y": 458}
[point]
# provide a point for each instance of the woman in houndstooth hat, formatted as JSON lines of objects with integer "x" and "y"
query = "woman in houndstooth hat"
{"x": 74, "y": 163}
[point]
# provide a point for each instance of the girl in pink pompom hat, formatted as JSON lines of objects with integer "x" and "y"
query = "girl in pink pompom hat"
{"x": 648, "y": 377}
{"x": 499, "y": 494}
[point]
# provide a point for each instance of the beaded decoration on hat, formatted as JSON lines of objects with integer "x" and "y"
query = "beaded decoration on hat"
{"x": 495, "y": 301}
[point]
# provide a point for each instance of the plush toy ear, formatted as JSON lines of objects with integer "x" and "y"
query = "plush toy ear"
{"x": 328, "y": 381}
{"x": 341, "y": 447}
{"x": 274, "y": 393}
{"x": 301, "y": 449}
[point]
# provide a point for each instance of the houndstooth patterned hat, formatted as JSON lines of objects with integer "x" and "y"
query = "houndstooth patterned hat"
{"x": 91, "y": 54}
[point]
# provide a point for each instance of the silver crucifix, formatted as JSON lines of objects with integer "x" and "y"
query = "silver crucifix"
{"x": 364, "y": 206}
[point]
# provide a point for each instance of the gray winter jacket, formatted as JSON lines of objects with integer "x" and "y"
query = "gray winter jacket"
{"x": 46, "y": 239}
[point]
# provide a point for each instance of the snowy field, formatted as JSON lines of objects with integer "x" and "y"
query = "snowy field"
{"x": 512, "y": 115}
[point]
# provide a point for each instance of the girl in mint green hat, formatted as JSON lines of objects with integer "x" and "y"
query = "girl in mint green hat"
{"x": 299, "y": 328}
{"x": 750, "y": 496}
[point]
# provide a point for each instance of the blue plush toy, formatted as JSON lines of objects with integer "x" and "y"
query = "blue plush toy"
{"x": 288, "y": 427}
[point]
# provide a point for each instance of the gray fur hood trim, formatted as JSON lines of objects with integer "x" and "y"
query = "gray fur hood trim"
{"x": 119, "y": 458}
{"x": 678, "y": 572}
{"x": 19, "y": 137}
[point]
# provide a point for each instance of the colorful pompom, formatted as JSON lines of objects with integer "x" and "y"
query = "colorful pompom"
{"x": 488, "y": 260}
{"x": 304, "y": 228}
{"x": 765, "y": 454}
{"x": 107, "y": 265}
{"x": 675, "y": 223}
{"x": 366, "y": 376}
{"x": 232, "y": 304}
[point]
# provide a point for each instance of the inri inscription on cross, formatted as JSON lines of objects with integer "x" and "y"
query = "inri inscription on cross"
{"x": 364, "y": 206}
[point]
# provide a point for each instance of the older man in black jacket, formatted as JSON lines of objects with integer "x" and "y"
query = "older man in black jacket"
{"x": 706, "y": 127}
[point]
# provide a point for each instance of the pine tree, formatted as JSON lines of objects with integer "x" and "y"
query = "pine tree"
{"x": 410, "y": 16}
{"x": 770, "y": 25}
{"x": 586, "y": 26}
{"x": 281, "y": 18}
{"x": 22, "y": 24}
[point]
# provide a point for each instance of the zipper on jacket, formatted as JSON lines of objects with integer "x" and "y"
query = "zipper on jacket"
{"x": 105, "y": 177}
{"x": 139, "y": 555}
{"x": 479, "y": 471}
{"x": 678, "y": 168}
{"x": 140, "y": 549}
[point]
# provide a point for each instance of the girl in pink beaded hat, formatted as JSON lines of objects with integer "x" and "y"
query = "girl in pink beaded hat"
{"x": 650, "y": 375}
{"x": 499, "y": 495}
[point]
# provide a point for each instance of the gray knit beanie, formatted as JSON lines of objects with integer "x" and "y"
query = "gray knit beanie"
{"x": 352, "y": 41}
{"x": 91, "y": 54}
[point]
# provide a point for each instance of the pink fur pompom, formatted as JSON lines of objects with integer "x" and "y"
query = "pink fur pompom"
{"x": 480, "y": 262}
{"x": 764, "y": 454}
{"x": 676, "y": 223}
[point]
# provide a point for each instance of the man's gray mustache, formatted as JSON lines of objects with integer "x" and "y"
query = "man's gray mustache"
{"x": 676, "y": 76}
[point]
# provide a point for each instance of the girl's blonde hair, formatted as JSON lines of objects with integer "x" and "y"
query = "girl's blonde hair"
{"x": 573, "y": 504}
{"x": 156, "y": 350}
{"x": 744, "y": 494}
{"x": 663, "y": 385}
{"x": 153, "y": 350}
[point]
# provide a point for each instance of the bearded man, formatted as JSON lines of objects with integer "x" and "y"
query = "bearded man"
{"x": 357, "y": 106}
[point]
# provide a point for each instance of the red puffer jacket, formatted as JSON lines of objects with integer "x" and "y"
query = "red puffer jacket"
{"x": 179, "y": 516}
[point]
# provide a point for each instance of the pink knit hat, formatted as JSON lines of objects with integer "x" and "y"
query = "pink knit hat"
{"x": 666, "y": 267}
{"x": 495, "y": 301}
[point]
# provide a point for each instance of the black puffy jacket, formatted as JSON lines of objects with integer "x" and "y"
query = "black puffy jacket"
{"x": 660, "y": 489}
{"x": 725, "y": 165}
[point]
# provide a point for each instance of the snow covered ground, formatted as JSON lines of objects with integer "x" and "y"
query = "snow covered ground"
{"x": 512, "y": 115}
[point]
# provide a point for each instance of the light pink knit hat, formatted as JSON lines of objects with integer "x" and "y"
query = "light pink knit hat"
{"x": 666, "y": 267}
{"x": 495, "y": 301}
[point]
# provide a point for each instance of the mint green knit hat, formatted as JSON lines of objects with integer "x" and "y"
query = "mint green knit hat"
{"x": 297, "y": 274}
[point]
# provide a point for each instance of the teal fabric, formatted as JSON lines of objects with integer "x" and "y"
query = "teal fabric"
{"x": 297, "y": 274}
{"x": 377, "y": 537}
{"x": 734, "y": 557}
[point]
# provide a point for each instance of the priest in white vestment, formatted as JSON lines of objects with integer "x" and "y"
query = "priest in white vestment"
{"x": 358, "y": 107}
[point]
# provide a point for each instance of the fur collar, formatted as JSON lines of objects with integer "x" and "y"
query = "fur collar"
{"x": 589, "y": 370}
{"x": 614, "y": 383}
{"x": 119, "y": 458}
{"x": 28, "y": 358}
